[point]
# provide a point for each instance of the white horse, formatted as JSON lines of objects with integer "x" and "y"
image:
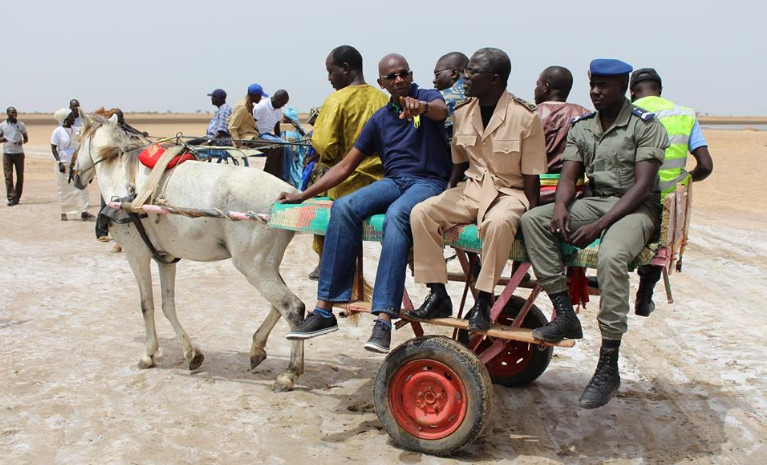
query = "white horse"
{"x": 256, "y": 251}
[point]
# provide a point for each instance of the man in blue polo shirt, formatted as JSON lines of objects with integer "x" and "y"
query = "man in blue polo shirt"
{"x": 409, "y": 134}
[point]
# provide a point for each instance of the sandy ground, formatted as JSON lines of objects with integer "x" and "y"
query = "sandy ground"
{"x": 71, "y": 391}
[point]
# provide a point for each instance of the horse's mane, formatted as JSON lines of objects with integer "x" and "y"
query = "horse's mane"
{"x": 120, "y": 141}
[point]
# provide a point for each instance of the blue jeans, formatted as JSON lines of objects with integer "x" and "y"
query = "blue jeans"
{"x": 395, "y": 197}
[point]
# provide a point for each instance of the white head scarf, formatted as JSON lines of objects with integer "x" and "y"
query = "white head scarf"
{"x": 62, "y": 114}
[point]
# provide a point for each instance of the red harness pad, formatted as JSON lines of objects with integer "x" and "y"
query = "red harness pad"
{"x": 151, "y": 155}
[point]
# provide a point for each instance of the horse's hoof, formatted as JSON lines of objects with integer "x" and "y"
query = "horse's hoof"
{"x": 196, "y": 360}
{"x": 283, "y": 383}
{"x": 146, "y": 362}
{"x": 257, "y": 358}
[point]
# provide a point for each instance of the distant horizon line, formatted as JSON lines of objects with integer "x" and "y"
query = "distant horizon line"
{"x": 703, "y": 118}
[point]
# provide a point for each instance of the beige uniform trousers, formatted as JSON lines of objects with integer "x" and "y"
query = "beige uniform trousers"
{"x": 431, "y": 218}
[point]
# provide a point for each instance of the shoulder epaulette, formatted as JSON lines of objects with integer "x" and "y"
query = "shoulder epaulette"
{"x": 463, "y": 102}
{"x": 524, "y": 103}
{"x": 582, "y": 117}
{"x": 644, "y": 115}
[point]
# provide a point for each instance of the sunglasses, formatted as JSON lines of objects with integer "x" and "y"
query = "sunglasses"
{"x": 437, "y": 73}
{"x": 404, "y": 74}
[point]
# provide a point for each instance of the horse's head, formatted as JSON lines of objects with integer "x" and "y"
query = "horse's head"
{"x": 100, "y": 141}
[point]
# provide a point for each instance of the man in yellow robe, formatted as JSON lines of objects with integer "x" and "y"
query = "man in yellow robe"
{"x": 340, "y": 120}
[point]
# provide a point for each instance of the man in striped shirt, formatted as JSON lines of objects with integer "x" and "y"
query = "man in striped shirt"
{"x": 217, "y": 128}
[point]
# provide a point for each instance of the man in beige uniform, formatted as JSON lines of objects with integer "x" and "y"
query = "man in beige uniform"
{"x": 498, "y": 142}
{"x": 241, "y": 124}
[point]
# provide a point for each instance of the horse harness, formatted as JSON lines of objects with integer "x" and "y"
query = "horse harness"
{"x": 159, "y": 257}
{"x": 156, "y": 184}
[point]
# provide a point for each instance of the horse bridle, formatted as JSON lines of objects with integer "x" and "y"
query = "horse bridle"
{"x": 73, "y": 172}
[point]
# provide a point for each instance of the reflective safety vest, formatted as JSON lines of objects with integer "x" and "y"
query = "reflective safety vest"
{"x": 678, "y": 122}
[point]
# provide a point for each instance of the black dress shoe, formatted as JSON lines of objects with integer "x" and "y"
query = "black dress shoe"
{"x": 435, "y": 306}
{"x": 479, "y": 316}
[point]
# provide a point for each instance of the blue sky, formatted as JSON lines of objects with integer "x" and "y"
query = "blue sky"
{"x": 167, "y": 54}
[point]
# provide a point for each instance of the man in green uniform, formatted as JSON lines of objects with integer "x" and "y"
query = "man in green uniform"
{"x": 620, "y": 148}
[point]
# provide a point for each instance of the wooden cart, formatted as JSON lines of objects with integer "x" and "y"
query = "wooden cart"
{"x": 433, "y": 393}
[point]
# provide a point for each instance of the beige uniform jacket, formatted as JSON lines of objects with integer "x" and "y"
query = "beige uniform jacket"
{"x": 242, "y": 125}
{"x": 510, "y": 146}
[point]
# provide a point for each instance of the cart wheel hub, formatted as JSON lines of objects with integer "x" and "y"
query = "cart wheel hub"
{"x": 428, "y": 399}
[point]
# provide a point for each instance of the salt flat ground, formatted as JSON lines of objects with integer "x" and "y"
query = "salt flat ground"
{"x": 71, "y": 392}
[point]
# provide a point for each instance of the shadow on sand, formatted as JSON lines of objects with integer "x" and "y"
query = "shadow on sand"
{"x": 666, "y": 423}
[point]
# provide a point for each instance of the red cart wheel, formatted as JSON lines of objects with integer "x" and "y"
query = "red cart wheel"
{"x": 520, "y": 363}
{"x": 429, "y": 401}
{"x": 433, "y": 395}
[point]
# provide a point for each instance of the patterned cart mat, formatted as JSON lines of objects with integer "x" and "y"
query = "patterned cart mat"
{"x": 312, "y": 217}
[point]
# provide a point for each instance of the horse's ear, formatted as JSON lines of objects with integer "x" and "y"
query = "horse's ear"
{"x": 86, "y": 120}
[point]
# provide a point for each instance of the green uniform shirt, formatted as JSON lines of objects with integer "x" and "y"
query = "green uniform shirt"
{"x": 609, "y": 156}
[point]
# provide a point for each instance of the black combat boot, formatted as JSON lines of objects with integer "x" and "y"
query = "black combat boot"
{"x": 565, "y": 325}
{"x": 649, "y": 275}
{"x": 606, "y": 379}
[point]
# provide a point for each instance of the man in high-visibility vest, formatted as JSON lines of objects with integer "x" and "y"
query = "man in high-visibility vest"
{"x": 684, "y": 135}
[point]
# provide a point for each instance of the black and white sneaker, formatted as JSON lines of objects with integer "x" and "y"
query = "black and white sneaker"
{"x": 380, "y": 340}
{"x": 314, "y": 325}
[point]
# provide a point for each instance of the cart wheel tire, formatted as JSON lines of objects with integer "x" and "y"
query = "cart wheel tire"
{"x": 520, "y": 363}
{"x": 433, "y": 395}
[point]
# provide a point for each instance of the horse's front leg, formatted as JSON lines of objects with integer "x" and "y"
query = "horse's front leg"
{"x": 257, "y": 348}
{"x": 140, "y": 267}
{"x": 192, "y": 354}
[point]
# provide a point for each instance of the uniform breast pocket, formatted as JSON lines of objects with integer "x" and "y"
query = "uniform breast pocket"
{"x": 506, "y": 156}
{"x": 465, "y": 140}
{"x": 605, "y": 170}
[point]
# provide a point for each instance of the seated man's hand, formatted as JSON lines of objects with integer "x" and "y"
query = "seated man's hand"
{"x": 287, "y": 197}
{"x": 585, "y": 235}
{"x": 560, "y": 223}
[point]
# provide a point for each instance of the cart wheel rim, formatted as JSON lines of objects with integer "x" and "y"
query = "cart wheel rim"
{"x": 428, "y": 399}
{"x": 512, "y": 360}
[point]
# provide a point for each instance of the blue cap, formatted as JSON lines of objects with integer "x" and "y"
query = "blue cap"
{"x": 257, "y": 89}
{"x": 609, "y": 67}
{"x": 220, "y": 93}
